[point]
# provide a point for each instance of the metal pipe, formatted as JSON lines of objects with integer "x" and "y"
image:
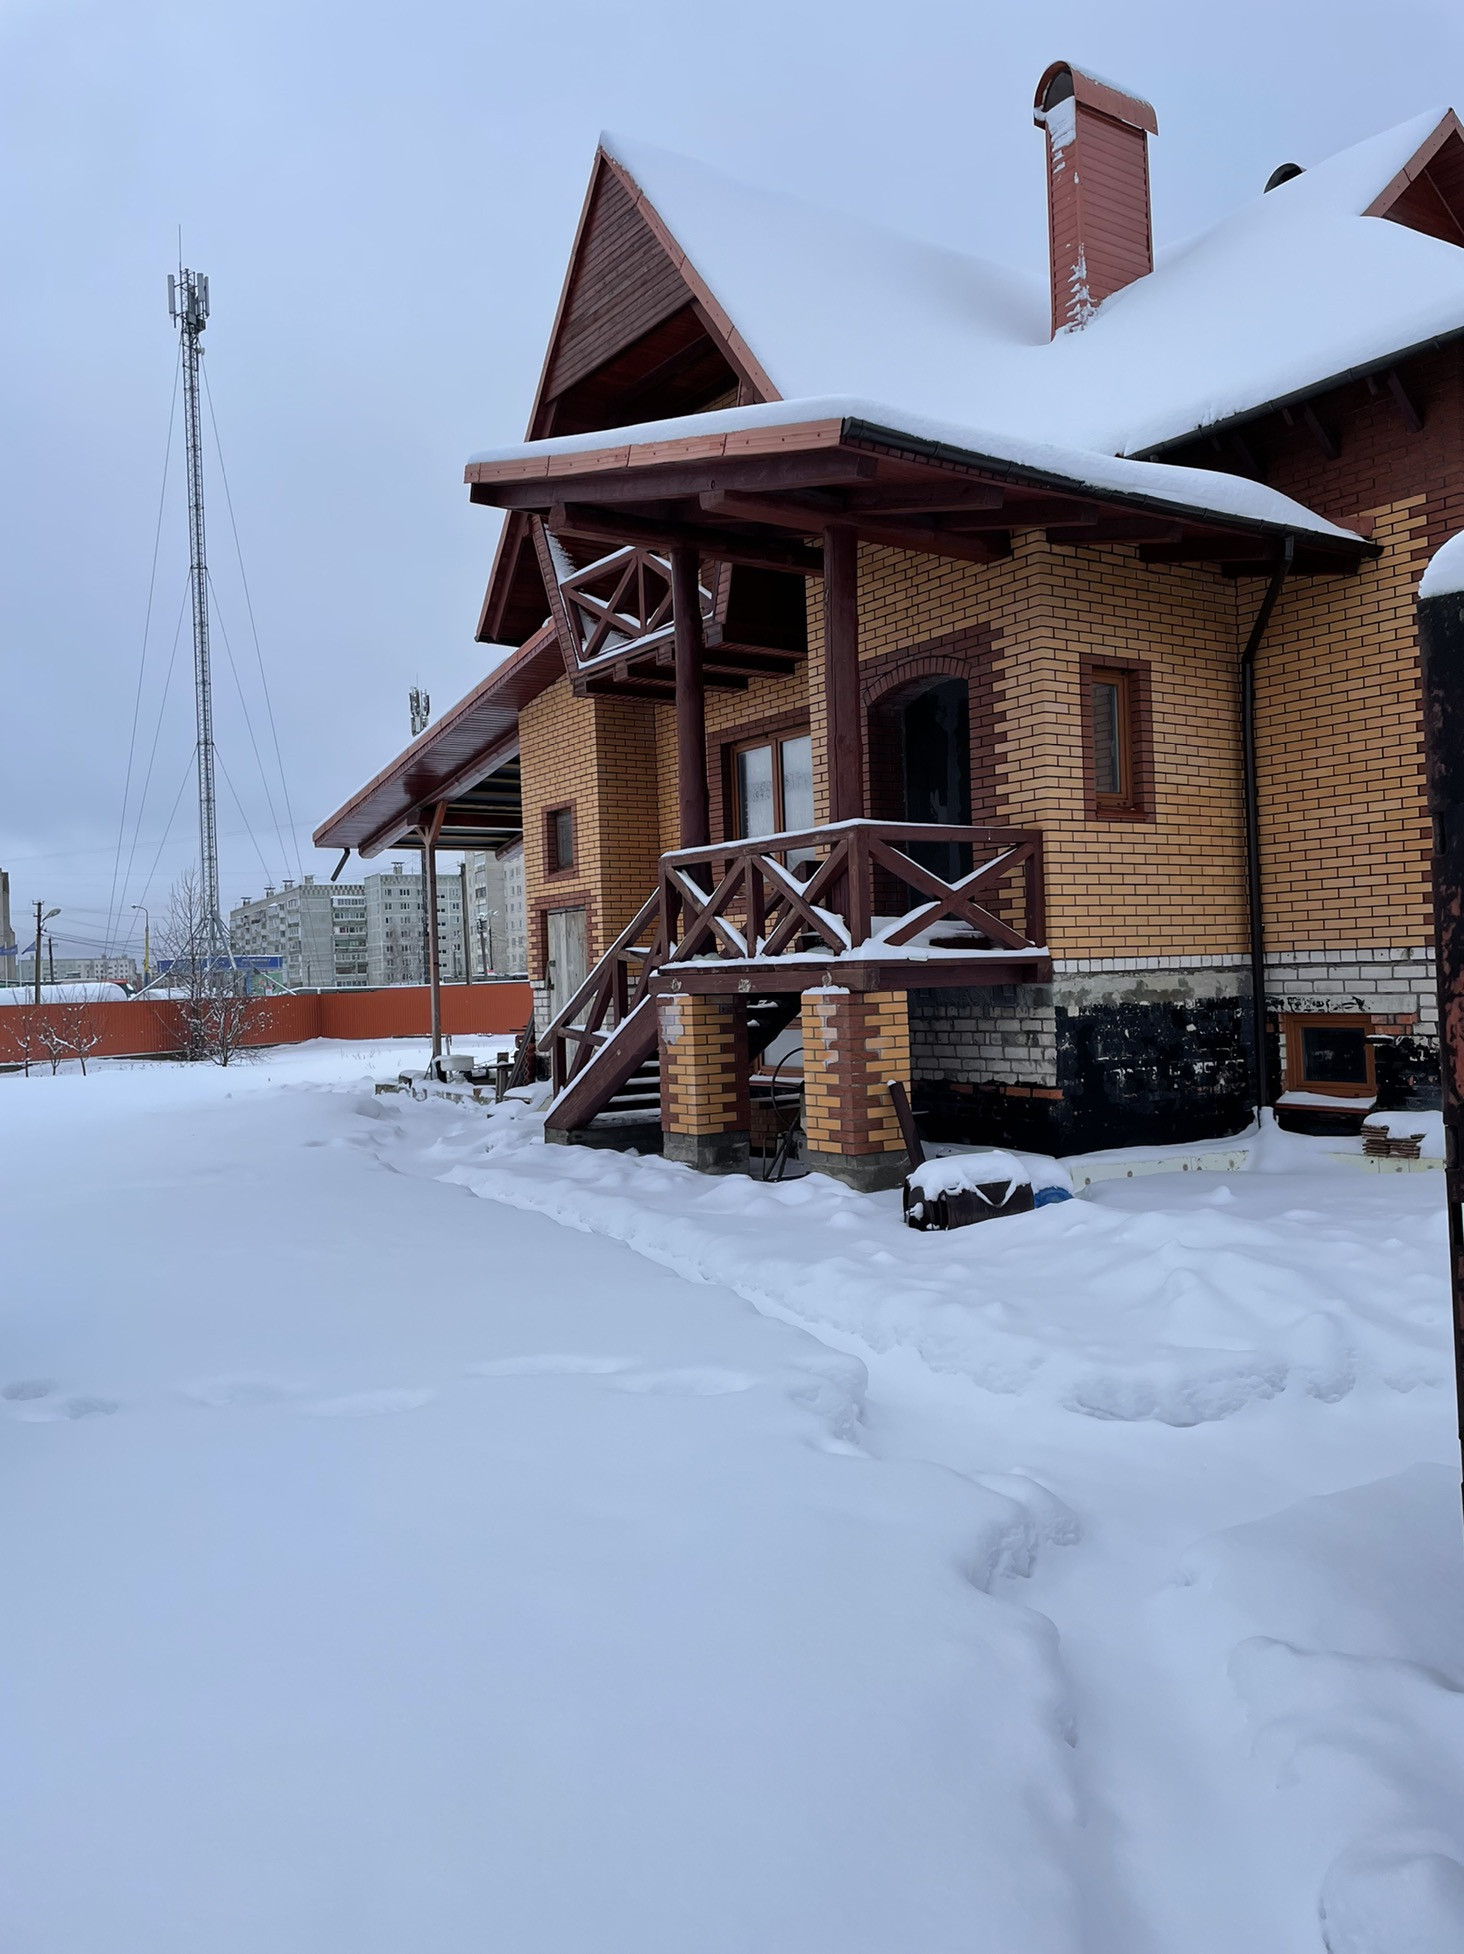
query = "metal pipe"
{"x": 1253, "y": 815}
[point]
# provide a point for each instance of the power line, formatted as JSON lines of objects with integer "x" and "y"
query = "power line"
{"x": 167, "y": 830}
{"x": 254, "y": 628}
{"x": 157, "y": 733}
{"x": 249, "y": 727}
{"x": 228, "y": 782}
{"x": 146, "y": 626}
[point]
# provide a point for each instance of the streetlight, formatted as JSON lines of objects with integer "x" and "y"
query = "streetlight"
{"x": 146, "y": 943}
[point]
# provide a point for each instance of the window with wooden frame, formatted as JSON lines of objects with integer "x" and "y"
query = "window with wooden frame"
{"x": 772, "y": 785}
{"x": 558, "y": 839}
{"x": 1117, "y": 744}
{"x": 1330, "y": 1052}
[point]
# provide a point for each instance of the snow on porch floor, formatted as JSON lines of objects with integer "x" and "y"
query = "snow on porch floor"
{"x": 390, "y": 1569}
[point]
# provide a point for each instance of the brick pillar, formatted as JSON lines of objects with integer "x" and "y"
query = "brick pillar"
{"x": 704, "y": 1102}
{"x": 854, "y": 1043}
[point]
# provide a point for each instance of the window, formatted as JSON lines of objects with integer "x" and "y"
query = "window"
{"x": 772, "y": 784}
{"x": 1330, "y": 1053}
{"x": 559, "y": 835}
{"x": 1110, "y": 708}
{"x": 1116, "y": 739}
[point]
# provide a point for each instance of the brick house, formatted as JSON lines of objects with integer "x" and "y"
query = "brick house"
{"x": 1060, "y": 637}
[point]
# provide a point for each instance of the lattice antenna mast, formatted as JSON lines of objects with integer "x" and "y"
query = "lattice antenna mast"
{"x": 188, "y": 309}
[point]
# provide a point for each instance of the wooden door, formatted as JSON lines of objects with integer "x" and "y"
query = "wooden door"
{"x": 568, "y": 956}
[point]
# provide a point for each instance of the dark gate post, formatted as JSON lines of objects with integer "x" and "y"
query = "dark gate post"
{"x": 1441, "y": 647}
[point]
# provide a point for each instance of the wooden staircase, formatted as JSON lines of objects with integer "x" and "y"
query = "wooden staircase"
{"x": 616, "y": 1099}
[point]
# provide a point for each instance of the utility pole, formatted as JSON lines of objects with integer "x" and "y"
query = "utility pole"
{"x": 188, "y": 309}
{"x": 467, "y": 940}
{"x": 51, "y": 954}
{"x": 483, "y": 945}
{"x": 39, "y": 920}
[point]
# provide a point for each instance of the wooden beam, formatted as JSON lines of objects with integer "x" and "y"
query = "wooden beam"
{"x": 1406, "y": 406}
{"x": 1210, "y": 549}
{"x": 610, "y": 526}
{"x": 815, "y": 470}
{"x": 922, "y": 537}
{"x": 1130, "y": 529}
{"x": 909, "y": 499}
{"x": 843, "y": 732}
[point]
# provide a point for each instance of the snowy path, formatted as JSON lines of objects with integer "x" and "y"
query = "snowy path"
{"x": 394, "y": 1569}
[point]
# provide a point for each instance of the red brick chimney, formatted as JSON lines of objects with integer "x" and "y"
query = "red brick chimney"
{"x": 1099, "y": 235}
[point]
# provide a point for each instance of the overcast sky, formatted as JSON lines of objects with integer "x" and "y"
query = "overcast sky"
{"x": 383, "y": 198}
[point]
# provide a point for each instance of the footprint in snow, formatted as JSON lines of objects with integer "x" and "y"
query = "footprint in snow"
{"x": 706, "y": 1381}
{"x": 219, "y": 1391}
{"x": 50, "y": 1411}
{"x": 370, "y": 1404}
{"x": 27, "y": 1388}
{"x": 551, "y": 1364}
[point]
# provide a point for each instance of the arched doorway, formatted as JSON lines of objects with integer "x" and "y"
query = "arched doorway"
{"x": 920, "y": 764}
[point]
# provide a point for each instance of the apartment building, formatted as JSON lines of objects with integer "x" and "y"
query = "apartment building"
{"x": 396, "y": 935}
{"x": 317, "y": 931}
{"x": 497, "y": 920}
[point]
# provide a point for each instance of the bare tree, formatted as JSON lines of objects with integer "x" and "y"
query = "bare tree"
{"x": 219, "y": 1017}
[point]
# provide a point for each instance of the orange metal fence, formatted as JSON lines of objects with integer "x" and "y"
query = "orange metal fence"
{"x": 142, "y": 1027}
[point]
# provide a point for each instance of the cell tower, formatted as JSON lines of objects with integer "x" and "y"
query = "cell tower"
{"x": 188, "y": 309}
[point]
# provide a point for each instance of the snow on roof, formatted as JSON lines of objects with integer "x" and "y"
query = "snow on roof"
{"x": 1294, "y": 287}
{"x": 1198, "y": 492}
{"x": 1444, "y": 576}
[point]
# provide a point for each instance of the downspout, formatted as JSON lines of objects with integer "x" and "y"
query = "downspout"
{"x": 1253, "y": 815}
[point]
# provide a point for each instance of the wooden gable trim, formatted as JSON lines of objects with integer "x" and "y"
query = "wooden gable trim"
{"x": 515, "y": 541}
{"x": 1417, "y": 165}
{"x": 713, "y": 314}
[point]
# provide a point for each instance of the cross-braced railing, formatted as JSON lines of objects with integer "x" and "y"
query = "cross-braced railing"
{"x": 813, "y": 898}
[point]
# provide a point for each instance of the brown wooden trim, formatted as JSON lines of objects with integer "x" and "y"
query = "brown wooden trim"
{"x": 1295, "y": 1023}
{"x": 1138, "y": 804}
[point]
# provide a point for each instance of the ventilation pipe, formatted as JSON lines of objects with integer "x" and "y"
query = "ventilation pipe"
{"x": 1100, "y": 237}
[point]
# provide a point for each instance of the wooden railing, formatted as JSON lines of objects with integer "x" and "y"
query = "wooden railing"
{"x": 810, "y": 897}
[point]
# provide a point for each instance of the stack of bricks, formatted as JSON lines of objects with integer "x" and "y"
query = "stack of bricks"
{"x": 705, "y": 1115}
{"x": 854, "y": 1044}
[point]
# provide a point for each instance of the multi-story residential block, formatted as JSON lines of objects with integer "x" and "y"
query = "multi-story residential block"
{"x": 318, "y": 931}
{"x": 396, "y": 935}
{"x": 496, "y": 912}
{"x": 73, "y": 970}
{"x": 1015, "y": 682}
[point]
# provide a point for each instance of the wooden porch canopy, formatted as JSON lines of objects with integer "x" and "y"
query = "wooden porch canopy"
{"x": 467, "y": 765}
{"x": 763, "y": 486}
{"x": 793, "y": 487}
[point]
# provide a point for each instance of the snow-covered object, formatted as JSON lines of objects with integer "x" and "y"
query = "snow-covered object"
{"x": 1198, "y": 492}
{"x": 1444, "y": 576}
{"x": 1290, "y": 289}
{"x": 98, "y": 993}
{"x": 959, "y": 1173}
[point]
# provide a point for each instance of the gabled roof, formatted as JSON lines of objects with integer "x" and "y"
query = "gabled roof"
{"x": 1297, "y": 286}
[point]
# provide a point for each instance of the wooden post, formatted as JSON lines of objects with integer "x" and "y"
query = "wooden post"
{"x": 691, "y": 709}
{"x": 844, "y": 735}
{"x": 1441, "y": 646}
{"x": 429, "y": 831}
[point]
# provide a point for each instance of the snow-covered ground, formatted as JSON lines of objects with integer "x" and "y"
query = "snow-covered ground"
{"x": 730, "y": 1568}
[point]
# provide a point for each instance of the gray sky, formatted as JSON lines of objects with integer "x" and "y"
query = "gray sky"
{"x": 383, "y": 198}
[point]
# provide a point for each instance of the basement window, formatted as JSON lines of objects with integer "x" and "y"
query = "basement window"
{"x": 559, "y": 839}
{"x": 1330, "y": 1053}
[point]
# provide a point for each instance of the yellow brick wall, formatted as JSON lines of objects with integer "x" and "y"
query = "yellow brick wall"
{"x": 1344, "y": 831}
{"x": 853, "y": 1045}
{"x": 599, "y": 754}
{"x": 1174, "y": 885}
{"x": 703, "y": 1047}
